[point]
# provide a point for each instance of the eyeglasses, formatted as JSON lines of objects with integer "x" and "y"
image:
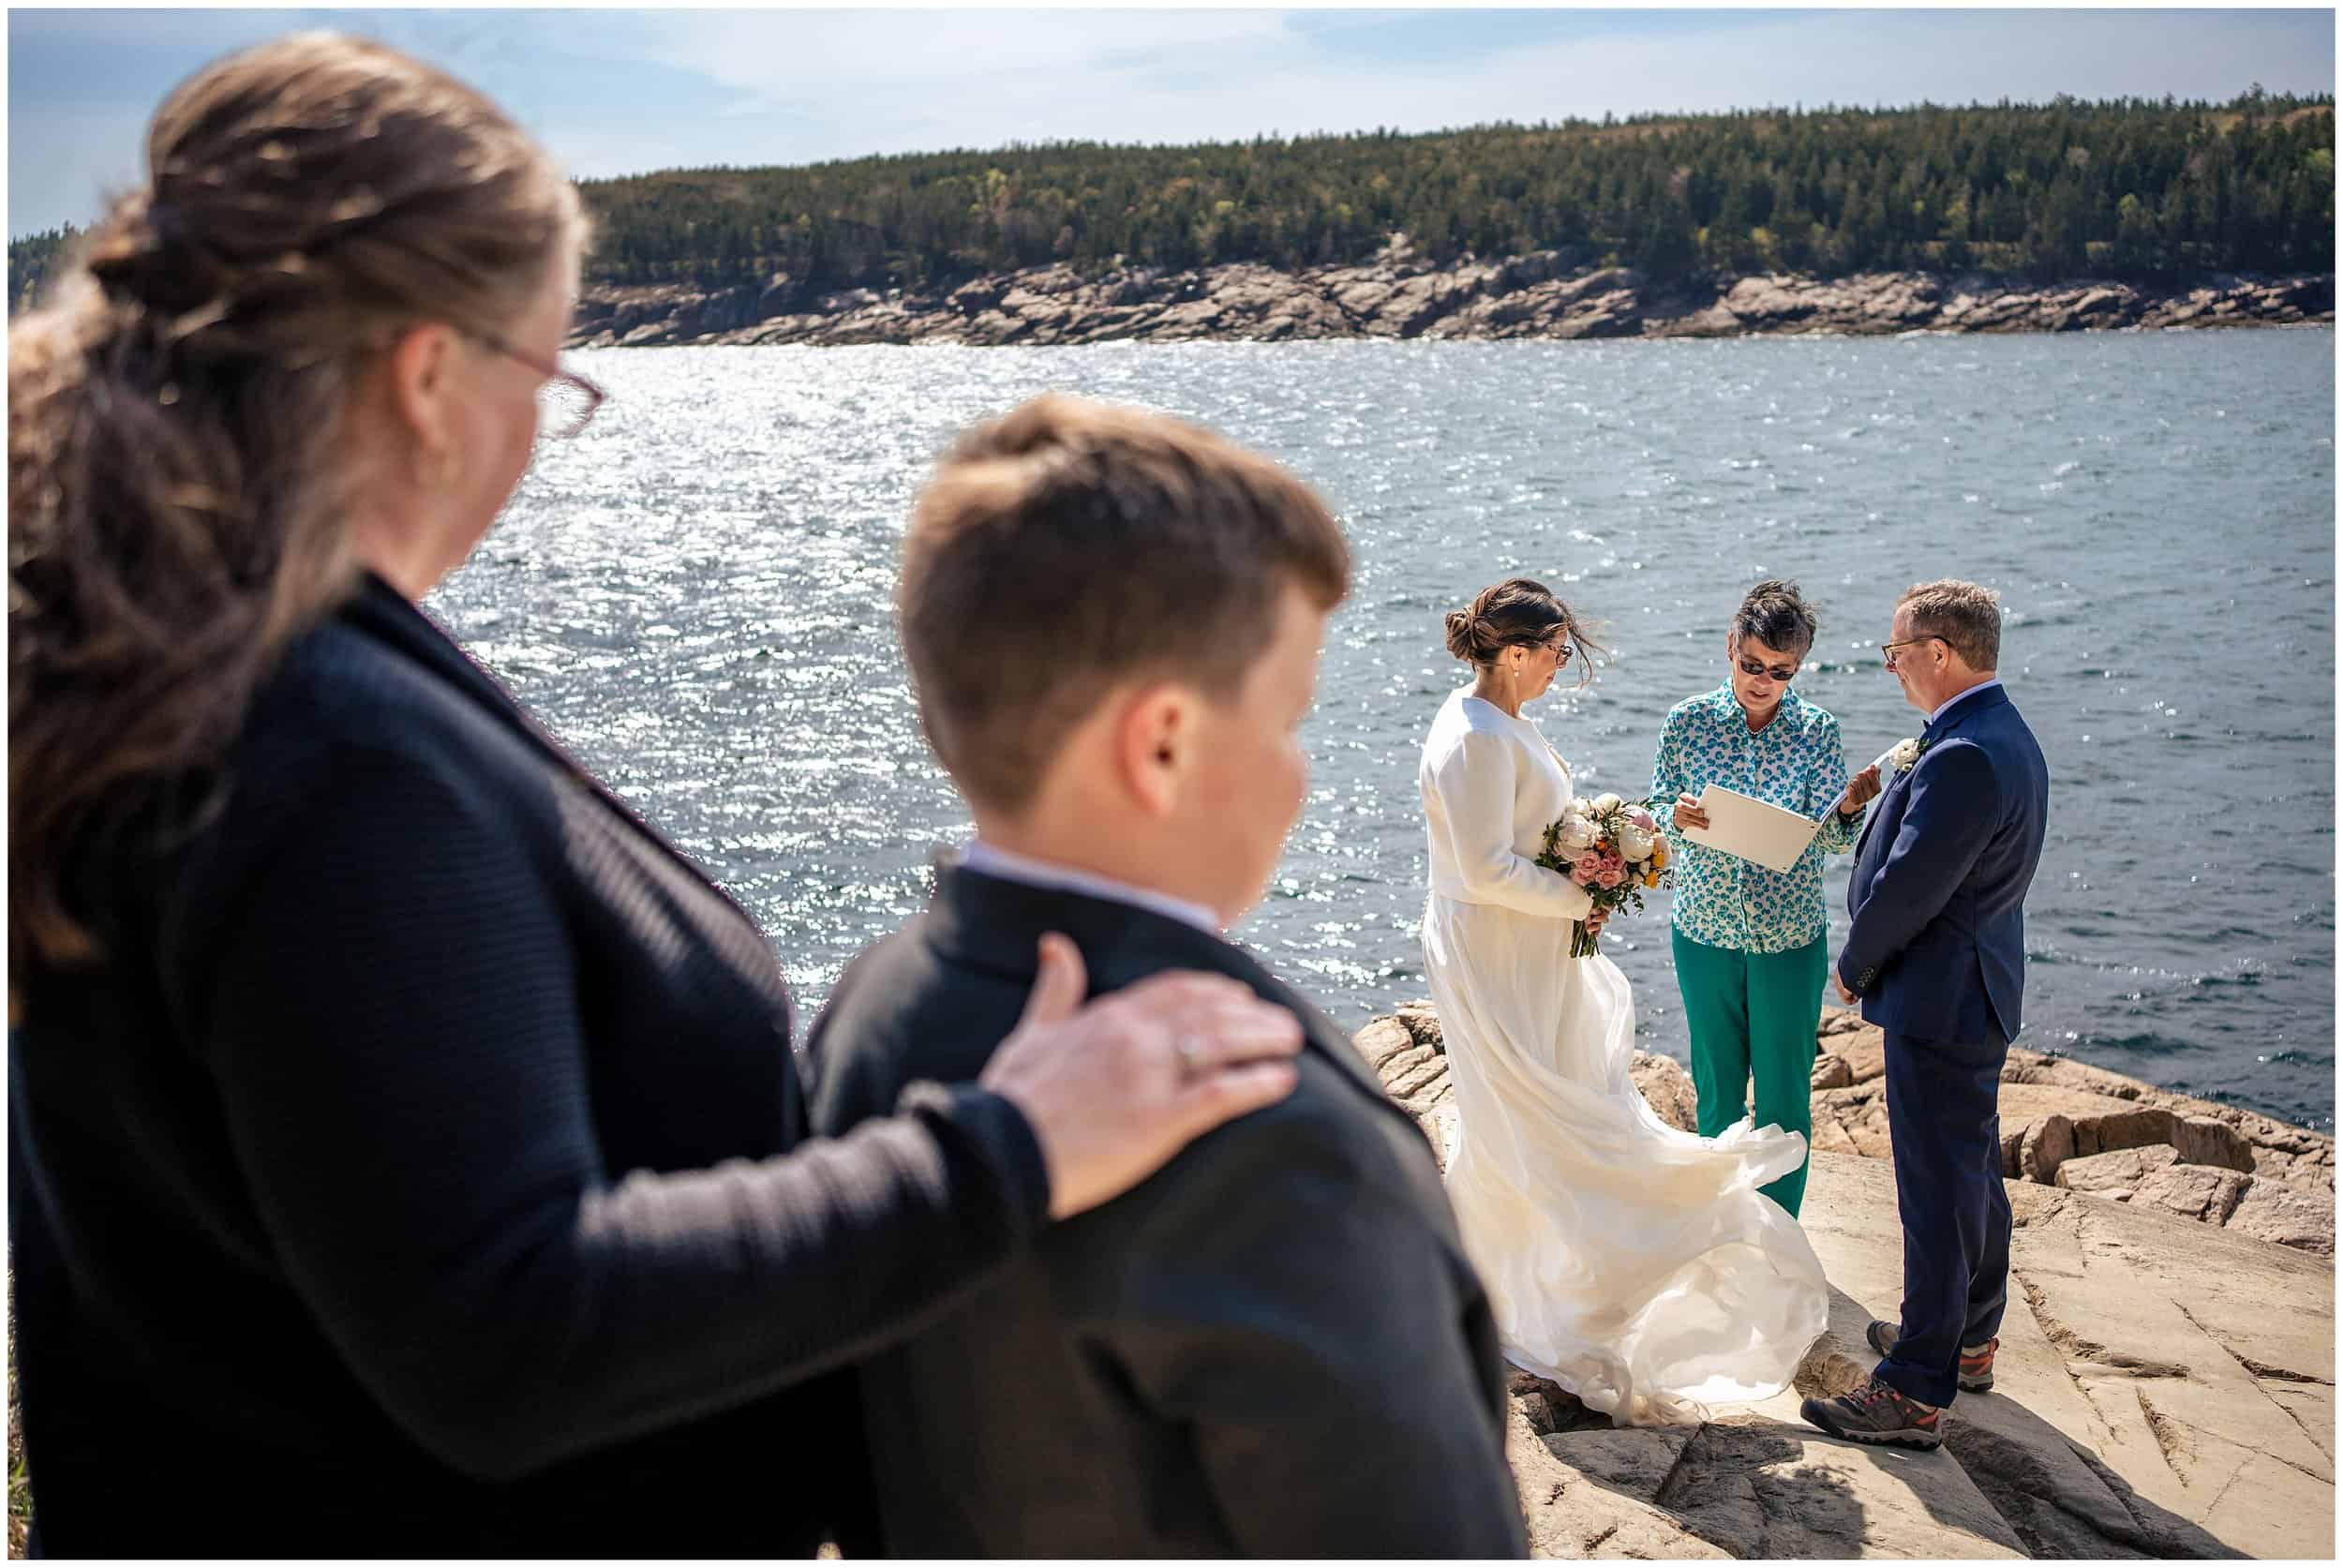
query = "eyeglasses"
{"x": 566, "y": 400}
{"x": 1784, "y": 674}
{"x": 1887, "y": 649}
{"x": 1561, "y": 651}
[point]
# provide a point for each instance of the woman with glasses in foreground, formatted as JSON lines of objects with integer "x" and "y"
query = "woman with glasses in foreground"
{"x": 406, "y": 1153}
{"x": 1751, "y": 945}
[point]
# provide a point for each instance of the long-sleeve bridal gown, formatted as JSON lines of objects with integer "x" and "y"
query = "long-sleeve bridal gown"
{"x": 1636, "y": 1264}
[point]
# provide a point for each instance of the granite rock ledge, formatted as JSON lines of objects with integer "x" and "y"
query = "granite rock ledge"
{"x": 2166, "y": 1387}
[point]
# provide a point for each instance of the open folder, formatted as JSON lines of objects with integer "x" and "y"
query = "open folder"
{"x": 1752, "y": 829}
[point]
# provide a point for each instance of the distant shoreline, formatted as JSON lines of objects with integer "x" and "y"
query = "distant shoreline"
{"x": 1537, "y": 296}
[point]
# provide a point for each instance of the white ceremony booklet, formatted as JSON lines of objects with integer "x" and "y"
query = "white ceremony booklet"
{"x": 1752, "y": 829}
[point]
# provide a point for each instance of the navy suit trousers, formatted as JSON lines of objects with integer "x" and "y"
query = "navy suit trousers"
{"x": 1944, "y": 1119}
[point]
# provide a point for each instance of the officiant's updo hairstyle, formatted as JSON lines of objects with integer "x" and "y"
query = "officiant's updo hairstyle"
{"x": 1518, "y": 613}
{"x": 1071, "y": 547}
{"x": 180, "y": 481}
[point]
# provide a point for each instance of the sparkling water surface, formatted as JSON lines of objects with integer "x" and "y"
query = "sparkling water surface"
{"x": 695, "y": 596}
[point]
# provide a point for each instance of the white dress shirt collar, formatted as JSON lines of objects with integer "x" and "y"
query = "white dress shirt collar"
{"x": 992, "y": 860}
{"x": 1946, "y": 706}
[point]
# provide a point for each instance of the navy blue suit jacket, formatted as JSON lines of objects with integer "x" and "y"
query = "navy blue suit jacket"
{"x": 1937, "y": 949}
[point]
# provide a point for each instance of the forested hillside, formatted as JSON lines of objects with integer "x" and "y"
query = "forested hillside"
{"x": 2158, "y": 191}
{"x": 2134, "y": 190}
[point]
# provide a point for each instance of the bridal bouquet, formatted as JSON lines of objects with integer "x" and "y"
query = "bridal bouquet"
{"x": 1613, "y": 850}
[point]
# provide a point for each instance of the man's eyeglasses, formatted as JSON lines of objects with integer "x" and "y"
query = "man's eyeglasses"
{"x": 1783, "y": 673}
{"x": 566, "y": 401}
{"x": 1887, "y": 649}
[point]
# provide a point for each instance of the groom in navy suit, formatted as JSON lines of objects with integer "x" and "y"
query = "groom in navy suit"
{"x": 1937, "y": 955}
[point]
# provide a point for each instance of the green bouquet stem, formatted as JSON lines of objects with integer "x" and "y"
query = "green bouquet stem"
{"x": 1585, "y": 942}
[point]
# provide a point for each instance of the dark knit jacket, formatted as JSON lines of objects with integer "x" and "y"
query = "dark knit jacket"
{"x": 425, "y": 1170}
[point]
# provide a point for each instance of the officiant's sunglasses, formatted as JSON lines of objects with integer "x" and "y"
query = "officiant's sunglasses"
{"x": 565, "y": 403}
{"x": 1751, "y": 668}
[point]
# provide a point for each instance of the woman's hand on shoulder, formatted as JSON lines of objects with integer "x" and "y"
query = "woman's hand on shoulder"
{"x": 1114, "y": 1088}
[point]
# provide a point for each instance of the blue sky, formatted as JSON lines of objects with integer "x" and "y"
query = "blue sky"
{"x": 616, "y": 92}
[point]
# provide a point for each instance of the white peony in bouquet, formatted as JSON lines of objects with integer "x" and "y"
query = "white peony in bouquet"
{"x": 1613, "y": 850}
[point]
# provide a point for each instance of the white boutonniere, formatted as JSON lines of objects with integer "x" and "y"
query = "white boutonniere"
{"x": 1906, "y": 753}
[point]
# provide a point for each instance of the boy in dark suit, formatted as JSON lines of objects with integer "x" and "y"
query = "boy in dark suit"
{"x": 1275, "y": 1347}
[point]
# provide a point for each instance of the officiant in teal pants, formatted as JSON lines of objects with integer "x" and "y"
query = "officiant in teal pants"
{"x": 1751, "y": 945}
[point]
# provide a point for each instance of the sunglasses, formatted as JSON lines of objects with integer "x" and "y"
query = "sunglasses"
{"x": 566, "y": 401}
{"x": 1783, "y": 673}
{"x": 1751, "y": 668}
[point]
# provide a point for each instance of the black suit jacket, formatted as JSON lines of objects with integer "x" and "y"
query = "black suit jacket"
{"x": 415, "y": 1175}
{"x": 1275, "y": 1347}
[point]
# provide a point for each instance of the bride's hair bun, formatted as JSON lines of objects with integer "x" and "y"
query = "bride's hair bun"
{"x": 1469, "y": 638}
{"x": 1517, "y": 612}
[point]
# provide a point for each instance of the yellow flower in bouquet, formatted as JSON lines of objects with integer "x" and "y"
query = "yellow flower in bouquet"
{"x": 1613, "y": 849}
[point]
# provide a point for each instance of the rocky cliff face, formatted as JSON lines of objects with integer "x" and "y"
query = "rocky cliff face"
{"x": 2164, "y": 1388}
{"x": 1549, "y": 295}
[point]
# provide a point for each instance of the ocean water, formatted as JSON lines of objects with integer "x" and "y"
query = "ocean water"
{"x": 695, "y": 595}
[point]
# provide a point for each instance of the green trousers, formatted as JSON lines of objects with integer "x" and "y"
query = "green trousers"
{"x": 1754, "y": 1016}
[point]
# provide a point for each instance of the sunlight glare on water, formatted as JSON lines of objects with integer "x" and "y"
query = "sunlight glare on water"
{"x": 695, "y": 596}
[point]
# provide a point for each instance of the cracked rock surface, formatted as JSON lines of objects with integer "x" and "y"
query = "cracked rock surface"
{"x": 2066, "y": 1123}
{"x": 2165, "y": 1388}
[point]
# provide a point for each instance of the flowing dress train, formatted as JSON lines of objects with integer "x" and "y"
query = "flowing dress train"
{"x": 1636, "y": 1264}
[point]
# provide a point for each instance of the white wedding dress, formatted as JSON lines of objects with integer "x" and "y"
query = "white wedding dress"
{"x": 1635, "y": 1264}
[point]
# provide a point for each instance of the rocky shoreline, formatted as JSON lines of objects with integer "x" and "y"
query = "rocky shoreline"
{"x": 1548, "y": 294}
{"x": 2166, "y": 1380}
{"x": 2086, "y": 1130}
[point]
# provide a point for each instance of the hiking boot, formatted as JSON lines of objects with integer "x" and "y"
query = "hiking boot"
{"x": 1875, "y": 1412}
{"x": 1976, "y": 1366}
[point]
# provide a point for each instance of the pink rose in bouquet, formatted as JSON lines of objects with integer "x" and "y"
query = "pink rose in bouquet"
{"x": 1613, "y": 849}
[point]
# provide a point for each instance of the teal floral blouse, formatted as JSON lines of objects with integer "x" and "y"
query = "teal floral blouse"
{"x": 1797, "y": 761}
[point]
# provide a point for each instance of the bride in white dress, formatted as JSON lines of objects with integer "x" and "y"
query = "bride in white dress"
{"x": 1635, "y": 1264}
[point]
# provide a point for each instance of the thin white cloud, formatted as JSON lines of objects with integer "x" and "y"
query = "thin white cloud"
{"x": 978, "y": 79}
{"x": 793, "y": 56}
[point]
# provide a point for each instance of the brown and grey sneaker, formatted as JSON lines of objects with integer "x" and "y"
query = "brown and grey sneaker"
{"x": 1976, "y": 1364}
{"x": 1876, "y": 1412}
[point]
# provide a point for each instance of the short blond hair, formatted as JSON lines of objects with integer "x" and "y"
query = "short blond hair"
{"x": 1073, "y": 546}
{"x": 1966, "y": 615}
